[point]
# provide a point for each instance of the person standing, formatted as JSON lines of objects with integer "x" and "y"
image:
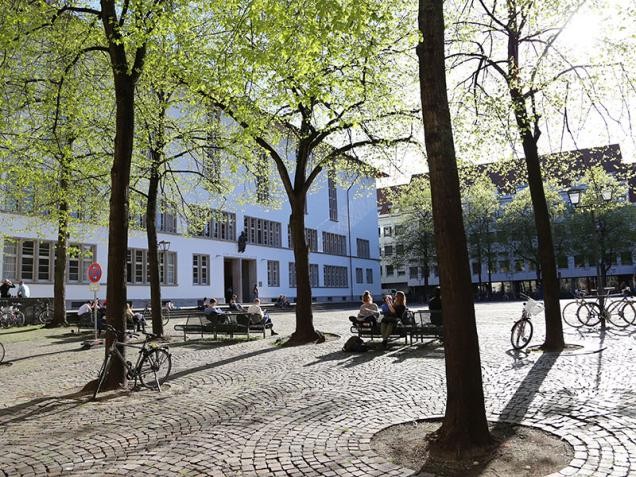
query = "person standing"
{"x": 255, "y": 291}
{"x": 23, "y": 290}
{"x": 5, "y": 287}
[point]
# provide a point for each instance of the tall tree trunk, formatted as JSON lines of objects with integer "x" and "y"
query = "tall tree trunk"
{"x": 61, "y": 248}
{"x": 305, "y": 332}
{"x": 553, "y": 326}
{"x": 118, "y": 218}
{"x": 464, "y": 426}
{"x": 153, "y": 259}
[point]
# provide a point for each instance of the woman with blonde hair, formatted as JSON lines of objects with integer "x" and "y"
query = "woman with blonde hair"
{"x": 369, "y": 311}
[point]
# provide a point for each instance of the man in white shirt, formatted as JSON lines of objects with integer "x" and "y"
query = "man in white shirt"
{"x": 23, "y": 290}
{"x": 85, "y": 311}
{"x": 255, "y": 309}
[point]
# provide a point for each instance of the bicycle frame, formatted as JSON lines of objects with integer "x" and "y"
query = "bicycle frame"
{"x": 114, "y": 350}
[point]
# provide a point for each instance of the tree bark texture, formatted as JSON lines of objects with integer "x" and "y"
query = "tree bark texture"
{"x": 61, "y": 249}
{"x": 464, "y": 426}
{"x": 118, "y": 218}
{"x": 553, "y": 326}
{"x": 305, "y": 332}
{"x": 153, "y": 258}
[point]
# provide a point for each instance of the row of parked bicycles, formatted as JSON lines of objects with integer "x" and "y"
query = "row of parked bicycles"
{"x": 589, "y": 310}
{"x": 619, "y": 310}
{"x": 11, "y": 314}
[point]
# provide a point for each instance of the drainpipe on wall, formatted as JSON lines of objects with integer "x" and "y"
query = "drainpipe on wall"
{"x": 349, "y": 236}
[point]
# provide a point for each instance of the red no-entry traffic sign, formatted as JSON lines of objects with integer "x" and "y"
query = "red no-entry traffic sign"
{"x": 94, "y": 272}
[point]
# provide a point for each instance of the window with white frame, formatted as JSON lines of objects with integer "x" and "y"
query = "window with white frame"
{"x": 200, "y": 269}
{"x": 335, "y": 276}
{"x": 211, "y": 167}
{"x": 167, "y": 219}
{"x": 292, "y": 275}
{"x": 261, "y": 173}
{"x": 363, "y": 248}
{"x": 262, "y": 232}
{"x": 138, "y": 268}
{"x": 388, "y": 231}
{"x": 311, "y": 238}
{"x": 359, "y": 275}
{"x": 333, "y": 196}
{"x": 33, "y": 260}
{"x": 273, "y": 273}
{"x": 369, "y": 275}
{"x": 313, "y": 275}
{"x": 334, "y": 244}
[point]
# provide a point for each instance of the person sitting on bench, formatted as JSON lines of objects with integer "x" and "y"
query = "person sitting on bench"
{"x": 435, "y": 306}
{"x": 234, "y": 305}
{"x": 212, "y": 309}
{"x": 255, "y": 309}
{"x": 396, "y": 307}
{"x": 369, "y": 311}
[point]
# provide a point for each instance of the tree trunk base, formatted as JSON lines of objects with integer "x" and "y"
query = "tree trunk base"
{"x": 297, "y": 338}
{"x": 449, "y": 444}
{"x": 552, "y": 347}
{"x": 56, "y": 325}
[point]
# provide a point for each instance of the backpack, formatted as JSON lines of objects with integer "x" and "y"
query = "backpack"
{"x": 355, "y": 345}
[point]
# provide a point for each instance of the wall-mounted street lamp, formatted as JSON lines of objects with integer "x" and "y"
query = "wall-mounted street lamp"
{"x": 163, "y": 245}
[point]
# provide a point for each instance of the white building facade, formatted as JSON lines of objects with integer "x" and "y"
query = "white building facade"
{"x": 341, "y": 228}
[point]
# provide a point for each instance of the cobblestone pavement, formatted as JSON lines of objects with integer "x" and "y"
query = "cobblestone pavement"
{"x": 254, "y": 409}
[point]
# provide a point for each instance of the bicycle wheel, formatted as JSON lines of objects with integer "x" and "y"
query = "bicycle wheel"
{"x": 45, "y": 316}
{"x": 628, "y": 313}
{"x": 1, "y": 352}
{"x": 19, "y": 318}
{"x": 589, "y": 314}
{"x": 155, "y": 368}
{"x": 615, "y": 314}
{"x": 103, "y": 372}
{"x": 570, "y": 316}
{"x": 166, "y": 318}
{"x": 521, "y": 334}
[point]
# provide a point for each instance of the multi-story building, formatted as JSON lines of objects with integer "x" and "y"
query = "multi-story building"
{"x": 509, "y": 273}
{"x": 205, "y": 261}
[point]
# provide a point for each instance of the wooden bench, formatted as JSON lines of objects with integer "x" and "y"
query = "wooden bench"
{"x": 413, "y": 325}
{"x": 229, "y": 324}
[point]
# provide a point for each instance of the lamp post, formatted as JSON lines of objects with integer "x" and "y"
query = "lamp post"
{"x": 163, "y": 245}
{"x": 574, "y": 194}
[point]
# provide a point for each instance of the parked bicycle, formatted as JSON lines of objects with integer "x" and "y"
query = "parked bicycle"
{"x": 1, "y": 352}
{"x": 42, "y": 312}
{"x": 521, "y": 332}
{"x": 570, "y": 312}
{"x": 153, "y": 365}
{"x": 10, "y": 315}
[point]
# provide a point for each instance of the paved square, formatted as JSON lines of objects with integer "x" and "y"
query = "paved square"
{"x": 253, "y": 409}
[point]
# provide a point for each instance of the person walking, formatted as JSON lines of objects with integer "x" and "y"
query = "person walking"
{"x": 255, "y": 291}
{"x": 5, "y": 287}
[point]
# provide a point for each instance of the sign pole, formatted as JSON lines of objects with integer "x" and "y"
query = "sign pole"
{"x": 94, "y": 273}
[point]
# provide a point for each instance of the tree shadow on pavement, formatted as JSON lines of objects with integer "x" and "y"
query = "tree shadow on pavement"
{"x": 518, "y": 405}
{"x": 42, "y": 406}
{"x": 431, "y": 349}
{"x": 347, "y": 359}
{"x": 205, "y": 344}
{"x": 222, "y": 362}
{"x": 43, "y": 354}
{"x": 70, "y": 337}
